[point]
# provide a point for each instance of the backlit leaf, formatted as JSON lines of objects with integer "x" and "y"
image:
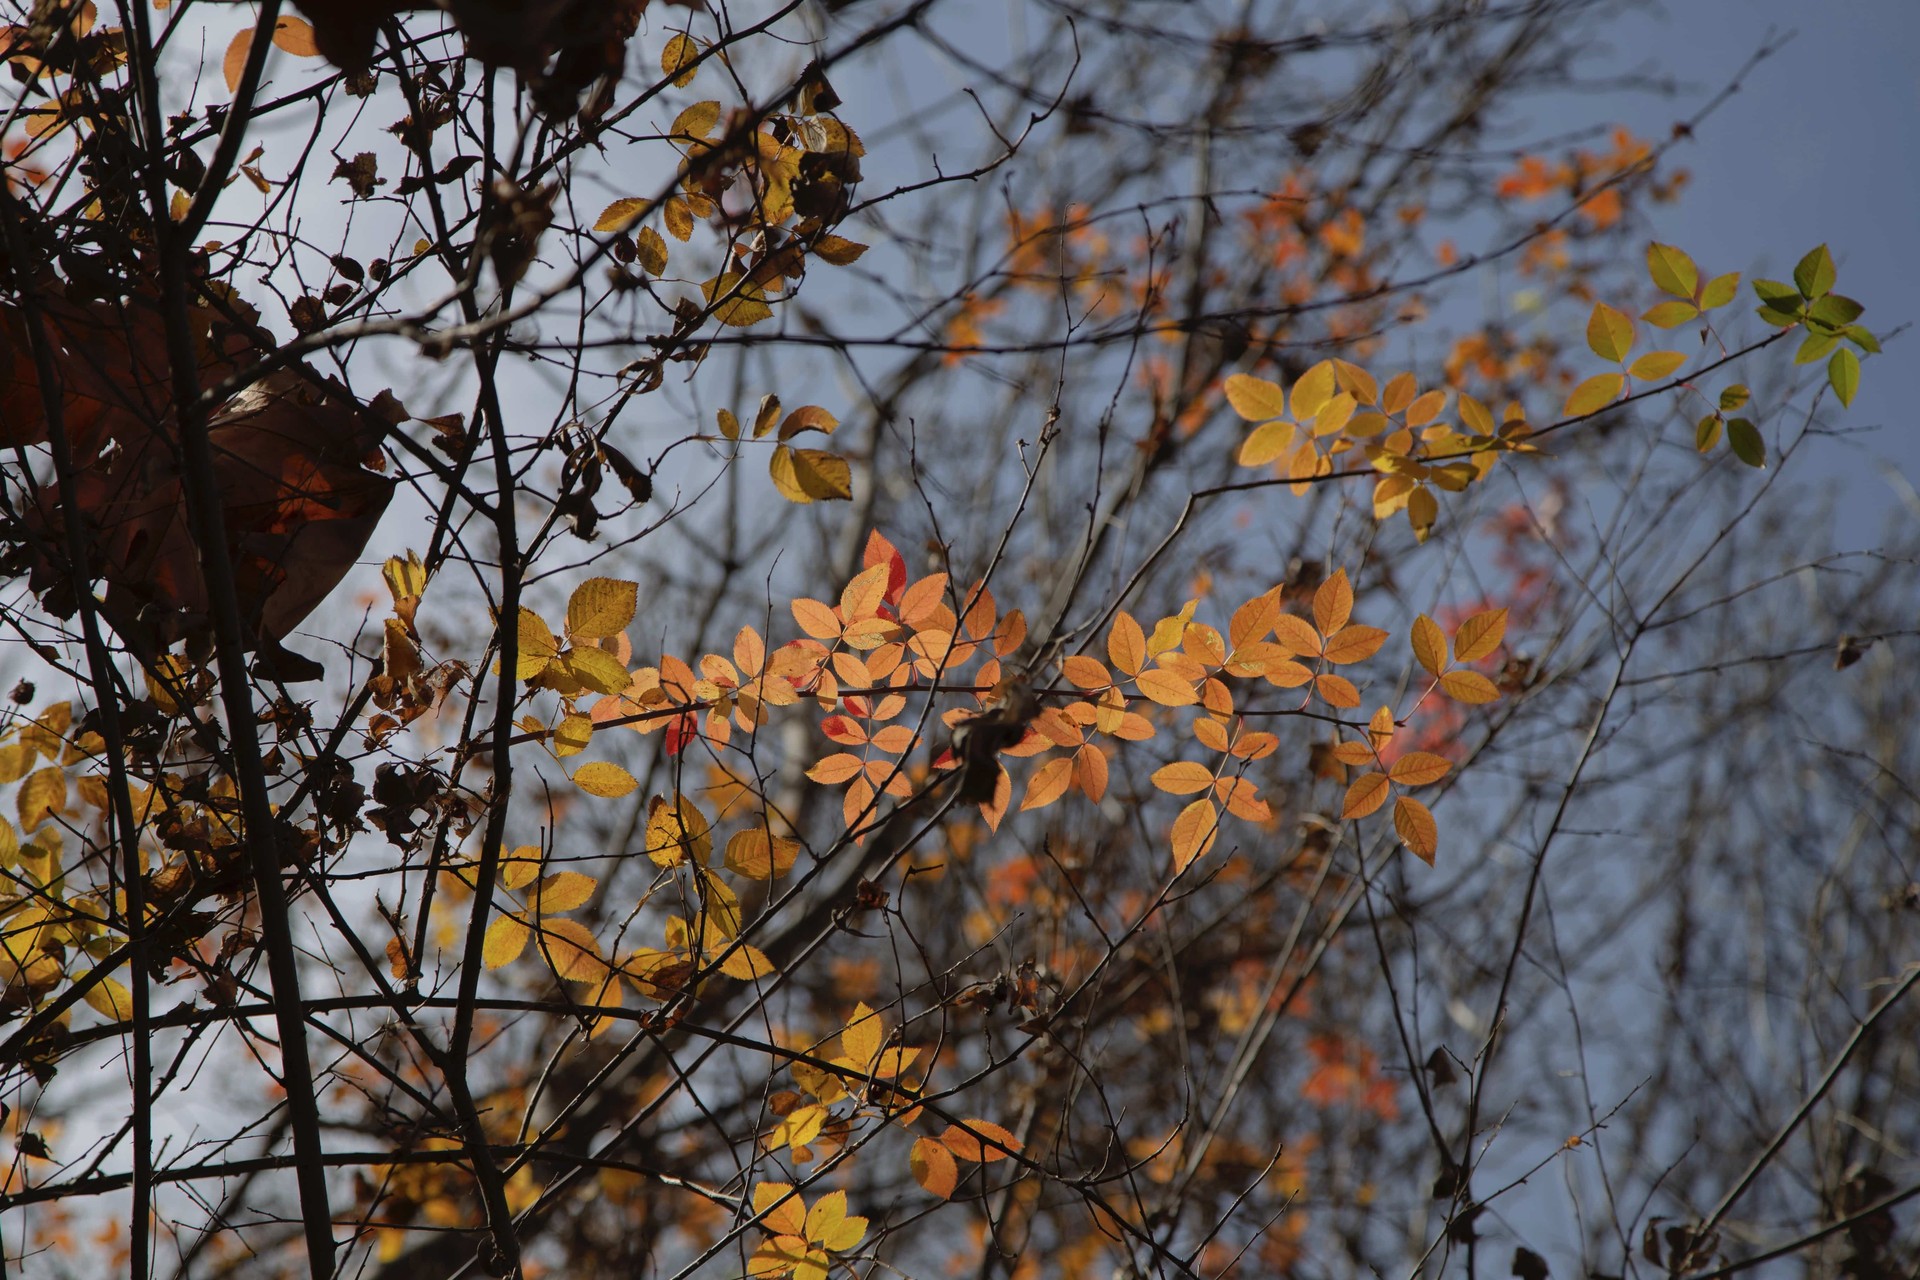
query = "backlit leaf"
{"x": 1813, "y": 276}
{"x": 1049, "y": 783}
{"x": 1255, "y": 399}
{"x": 605, "y": 779}
{"x": 933, "y": 1167}
{"x": 1843, "y": 373}
{"x": 1672, "y": 270}
{"x": 1594, "y": 394}
{"x": 1365, "y": 794}
{"x": 1354, "y": 644}
{"x": 506, "y": 939}
{"x": 1429, "y": 644}
{"x": 1419, "y": 768}
{"x": 679, "y": 60}
{"x": 1166, "y": 688}
{"x": 809, "y": 475}
{"x": 1193, "y": 832}
{"x": 1333, "y": 603}
{"x": 1415, "y": 826}
{"x": 1479, "y": 635}
{"x": 1468, "y": 686}
{"x": 980, "y": 1141}
{"x": 1183, "y": 777}
{"x": 1670, "y": 315}
{"x": 1609, "y": 332}
{"x": 1656, "y": 364}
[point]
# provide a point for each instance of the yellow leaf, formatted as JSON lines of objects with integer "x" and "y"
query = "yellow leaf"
{"x": 1333, "y": 603}
{"x": 1255, "y": 399}
{"x": 746, "y": 963}
{"x": 111, "y": 1000}
{"x": 537, "y": 645}
{"x": 520, "y": 868}
{"x": 622, "y": 214}
{"x": 1657, "y": 364}
{"x": 604, "y": 779}
{"x": 571, "y": 735}
{"x": 758, "y": 856}
{"x": 506, "y": 939}
{"x": 933, "y": 1167}
{"x": 980, "y": 1141}
{"x": 1416, "y": 828}
{"x": 1468, "y": 686}
{"x": 677, "y": 832}
{"x": 1594, "y": 394}
{"x": 679, "y": 60}
{"x": 1312, "y": 391}
{"x": 570, "y": 948}
{"x": 1479, "y": 635}
{"x": 1429, "y": 644}
{"x": 1364, "y": 795}
{"x": 696, "y": 121}
{"x": 41, "y": 796}
{"x": 651, "y": 249}
{"x": 1193, "y": 832}
{"x": 562, "y": 891}
{"x": 1422, "y": 510}
{"x": 780, "y": 1209}
{"x": 1183, "y": 778}
{"x": 600, "y": 607}
{"x": 838, "y": 250}
{"x": 1426, "y": 408}
{"x": 1268, "y": 442}
{"x": 597, "y": 669}
{"x": 1418, "y": 768}
{"x": 807, "y": 475}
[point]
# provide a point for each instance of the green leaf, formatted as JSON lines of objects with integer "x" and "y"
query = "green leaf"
{"x": 1733, "y": 398}
{"x": 1843, "y": 371}
{"x": 1609, "y": 332}
{"x": 1656, "y": 365}
{"x": 1776, "y": 294}
{"x": 1816, "y": 346}
{"x": 1861, "y": 338}
{"x": 1720, "y": 291}
{"x": 1835, "y": 310}
{"x": 1672, "y": 270}
{"x": 1744, "y": 439}
{"x": 1814, "y": 274}
{"x": 1707, "y": 434}
{"x": 1670, "y": 315}
{"x": 1594, "y": 394}
{"x": 1777, "y": 318}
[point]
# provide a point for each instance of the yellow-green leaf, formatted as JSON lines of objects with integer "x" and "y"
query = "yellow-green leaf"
{"x": 1656, "y": 364}
{"x": 1609, "y": 332}
{"x": 1672, "y": 270}
{"x": 1594, "y": 394}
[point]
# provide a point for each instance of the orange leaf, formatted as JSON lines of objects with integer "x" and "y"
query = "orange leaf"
{"x": 1090, "y": 772}
{"x": 235, "y": 62}
{"x": 1242, "y": 799}
{"x": 295, "y": 37}
{"x": 1166, "y": 688}
{"x": 816, "y": 619}
{"x": 1332, "y": 603}
{"x": 1193, "y": 832}
{"x": 1183, "y": 778}
{"x": 836, "y": 768}
{"x": 1366, "y": 794}
{"x": 1049, "y": 783}
{"x": 1354, "y": 644}
{"x": 1469, "y": 686}
{"x": 1429, "y": 644}
{"x": 1127, "y": 644}
{"x": 1479, "y": 635}
{"x": 1416, "y": 828}
{"x": 1418, "y": 768}
{"x": 1085, "y": 672}
{"x": 986, "y": 1143}
{"x": 933, "y": 1167}
{"x": 1337, "y": 691}
{"x": 1296, "y": 635}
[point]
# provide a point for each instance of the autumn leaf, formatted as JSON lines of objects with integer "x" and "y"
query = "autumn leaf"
{"x": 1194, "y": 831}
{"x": 1416, "y": 828}
{"x": 1478, "y": 636}
{"x": 600, "y": 607}
{"x": 506, "y": 938}
{"x": 934, "y": 1168}
{"x": 810, "y": 475}
{"x": 604, "y": 779}
{"x": 980, "y": 1141}
{"x": 1183, "y": 778}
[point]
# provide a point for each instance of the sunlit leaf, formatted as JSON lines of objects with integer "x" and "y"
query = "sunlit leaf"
{"x": 1415, "y": 826}
{"x": 1365, "y": 794}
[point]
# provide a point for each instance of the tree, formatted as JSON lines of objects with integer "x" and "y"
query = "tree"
{"x": 955, "y": 680}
